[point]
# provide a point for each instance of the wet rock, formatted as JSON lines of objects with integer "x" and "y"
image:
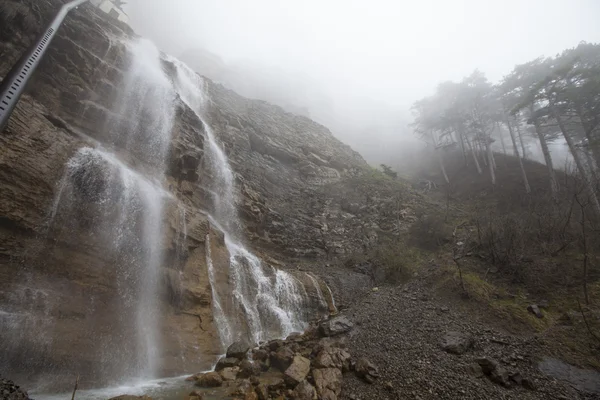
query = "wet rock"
{"x": 195, "y": 395}
{"x": 238, "y": 350}
{"x": 304, "y": 391}
{"x": 494, "y": 371}
{"x": 535, "y": 310}
{"x": 226, "y": 362}
{"x": 333, "y": 357}
{"x": 262, "y": 392}
{"x": 243, "y": 387}
{"x": 335, "y": 326}
{"x": 229, "y": 373}
{"x": 294, "y": 336}
{"x": 297, "y": 371}
{"x": 366, "y": 370}
{"x": 260, "y": 355}
{"x": 282, "y": 359}
{"x": 209, "y": 379}
{"x": 248, "y": 369}
{"x": 121, "y": 397}
{"x": 274, "y": 345}
{"x": 456, "y": 342}
{"x": 10, "y": 391}
{"x": 328, "y": 382}
{"x": 585, "y": 380}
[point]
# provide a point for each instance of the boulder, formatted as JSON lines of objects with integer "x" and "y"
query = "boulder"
{"x": 226, "y": 362}
{"x": 335, "y": 326}
{"x": 229, "y": 373}
{"x": 366, "y": 370}
{"x": 260, "y": 355}
{"x": 328, "y": 382}
{"x": 282, "y": 359}
{"x": 274, "y": 345}
{"x": 457, "y": 342}
{"x": 304, "y": 391}
{"x": 209, "y": 379}
{"x": 494, "y": 371}
{"x": 262, "y": 391}
{"x": 297, "y": 371}
{"x": 248, "y": 369}
{"x": 238, "y": 350}
{"x": 333, "y": 357}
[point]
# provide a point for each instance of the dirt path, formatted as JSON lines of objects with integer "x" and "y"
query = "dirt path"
{"x": 400, "y": 329}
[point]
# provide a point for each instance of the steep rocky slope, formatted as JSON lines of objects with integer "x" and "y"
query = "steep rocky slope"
{"x": 300, "y": 189}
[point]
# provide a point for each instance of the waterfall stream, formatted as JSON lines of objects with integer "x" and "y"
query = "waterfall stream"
{"x": 110, "y": 205}
{"x": 264, "y": 306}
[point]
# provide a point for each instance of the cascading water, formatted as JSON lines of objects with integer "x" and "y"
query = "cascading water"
{"x": 263, "y": 305}
{"x": 125, "y": 212}
{"x": 113, "y": 214}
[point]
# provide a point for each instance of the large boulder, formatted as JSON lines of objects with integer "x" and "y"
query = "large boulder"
{"x": 328, "y": 382}
{"x": 366, "y": 370}
{"x": 237, "y": 350}
{"x": 335, "y": 326}
{"x": 227, "y": 362}
{"x": 282, "y": 359}
{"x": 456, "y": 342}
{"x": 249, "y": 369}
{"x": 209, "y": 379}
{"x": 304, "y": 391}
{"x": 297, "y": 371}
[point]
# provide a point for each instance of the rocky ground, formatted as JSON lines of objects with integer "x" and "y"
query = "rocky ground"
{"x": 402, "y": 330}
{"x": 10, "y": 391}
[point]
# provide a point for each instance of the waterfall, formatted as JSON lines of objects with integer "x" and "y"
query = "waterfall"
{"x": 265, "y": 304}
{"x": 112, "y": 213}
{"x": 125, "y": 212}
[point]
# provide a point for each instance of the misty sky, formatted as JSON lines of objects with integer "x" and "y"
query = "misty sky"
{"x": 366, "y": 53}
{"x": 389, "y": 49}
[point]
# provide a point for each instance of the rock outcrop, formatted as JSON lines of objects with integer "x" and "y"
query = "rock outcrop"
{"x": 303, "y": 194}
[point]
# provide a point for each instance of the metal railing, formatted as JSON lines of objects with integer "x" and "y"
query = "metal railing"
{"x": 14, "y": 82}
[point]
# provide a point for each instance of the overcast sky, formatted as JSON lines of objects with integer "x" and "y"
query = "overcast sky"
{"x": 389, "y": 51}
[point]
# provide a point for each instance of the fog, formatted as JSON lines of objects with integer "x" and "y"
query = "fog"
{"x": 357, "y": 66}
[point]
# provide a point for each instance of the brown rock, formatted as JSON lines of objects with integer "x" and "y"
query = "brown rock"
{"x": 333, "y": 357}
{"x": 282, "y": 359}
{"x": 304, "y": 391}
{"x": 229, "y": 373}
{"x": 209, "y": 379}
{"x": 238, "y": 350}
{"x": 366, "y": 370}
{"x": 297, "y": 371}
{"x": 262, "y": 392}
{"x": 260, "y": 355}
{"x": 456, "y": 342}
{"x": 248, "y": 369}
{"x": 328, "y": 382}
{"x": 226, "y": 362}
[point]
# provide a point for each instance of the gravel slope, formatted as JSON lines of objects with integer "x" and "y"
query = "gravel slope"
{"x": 400, "y": 328}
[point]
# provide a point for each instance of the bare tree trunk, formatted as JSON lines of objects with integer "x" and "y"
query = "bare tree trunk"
{"x": 474, "y": 156}
{"x": 502, "y": 143}
{"x": 518, "y": 125}
{"x": 490, "y": 157}
{"x": 516, "y": 150}
{"x": 482, "y": 153}
{"x": 462, "y": 147}
{"x": 578, "y": 161}
{"x": 439, "y": 157}
{"x": 547, "y": 157}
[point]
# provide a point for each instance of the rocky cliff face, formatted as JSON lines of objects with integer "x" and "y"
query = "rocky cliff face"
{"x": 301, "y": 194}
